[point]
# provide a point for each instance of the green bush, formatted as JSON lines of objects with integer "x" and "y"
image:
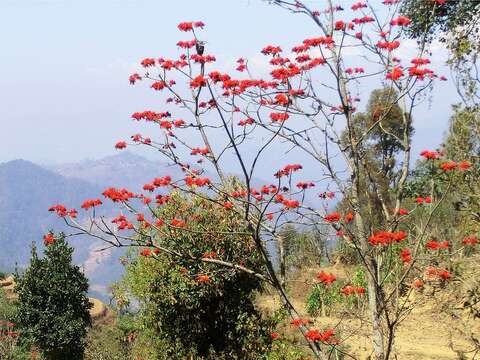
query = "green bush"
{"x": 53, "y": 310}
{"x": 189, "y": 308}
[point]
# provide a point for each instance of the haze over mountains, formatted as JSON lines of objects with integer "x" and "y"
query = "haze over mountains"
{"x": 27, "y": 190}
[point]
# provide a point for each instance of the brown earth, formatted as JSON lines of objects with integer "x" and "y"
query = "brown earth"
{"x": 438, "y": 328}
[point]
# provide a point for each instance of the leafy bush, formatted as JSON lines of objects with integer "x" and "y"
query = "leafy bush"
{"x": 193, "y": 308}
{"x": 53, "y": 309}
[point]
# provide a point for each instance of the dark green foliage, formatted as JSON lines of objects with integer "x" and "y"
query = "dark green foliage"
{"x": 53, "y": 309}
{"x": 182, "y": 317}
{"x": 435, "y": 20}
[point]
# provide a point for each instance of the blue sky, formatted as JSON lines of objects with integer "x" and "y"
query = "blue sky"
{"x": 64, "y": 67}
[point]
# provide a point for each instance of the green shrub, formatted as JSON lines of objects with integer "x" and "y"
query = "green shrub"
{"x": 53, "y": 309}
{"x": 189, "y": 308}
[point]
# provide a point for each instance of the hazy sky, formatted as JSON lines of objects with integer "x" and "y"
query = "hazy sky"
{"x": 64, "y": 66}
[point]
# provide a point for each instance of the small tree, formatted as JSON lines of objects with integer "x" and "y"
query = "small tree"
{"x": 190, "y": 308}
{"x": 53, "y": 309}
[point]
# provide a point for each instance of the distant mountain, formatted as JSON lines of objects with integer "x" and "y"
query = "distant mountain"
{"x": 122, "y": 170}
{"x": 26, "y": 192}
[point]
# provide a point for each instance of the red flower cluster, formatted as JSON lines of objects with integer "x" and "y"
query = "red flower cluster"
{"x": 440, "y": 273}
{"x": 406, "y": 255}
{"x": 353, "y": 290}
{"x": 150, "y": 115}
{"x": 158, "y": 85}
{"x": 146, "y": 252}
{"x": 187, "y": 44}
{"x": 316, "y": 335}
{"x": 59, "y": 209}
{"x": 188, "y": 26}
{"x": 288, "y": 169}
{"x": 359, "y": 5}
{"x": 452, "y": 165}
{"x": 178, "y": 223}
{"x": 387, "y": 238}
{"x": 305, "y": 185}
{"x": 48, "y": 239}
{"x": 417, "y": 283}
{"x": 120, "y": 145}
{"x": 122, "y": 223}
{"x": 347, "y": 218}
{"x": 198, "y": 81}
{"x": 470, "y": 240}
{"x": 279, "y": 117}
{"x": 245, "y": 122}
{"x": 133, "y": 78}
{"x": 291, "y": 204}
{"x": 199, "y": 151}
{"x": 87, "y": 204}
{"x": 197, "y": 181}
{"x": 420, "y": 200}
{"x": 271, "y": 50}
{"x": 202, "y": 278}
{"x": 389, "y": 46}
{"x": 148, "y": 62}
{"x": 401, "y": 21}
{"x": 325, "y": 278}
{"x": 117, "y": 195}
{"x": 332, "y": 217}
{"x": 435, "y": 245}
{"x": 395, "y": 74}
{"x": 430, "y": 155}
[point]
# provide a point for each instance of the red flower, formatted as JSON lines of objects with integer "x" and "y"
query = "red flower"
{"x": 417, "y": 283}
{"x": 133, "y": 78}
{"x": 271, "y": 50}
{"x": 389, "y": 46}
{"x": 228, "y": 205}
{"x": 352, "y": 290}
{"x": 402, "y": 212}
{"x": 178, "y": 223}
{"x": 339, "y": 25}
{"x": 158, "y": 85}
{"x": 120, "y": 145}
{"x": 359, "y": 5}
{"x": 332, "y": 217}
{"x": 91, "y": 203}
{"x": 148, "y": 62}
{"x": 430, "y": 155}
{"x": 325, "y": 278}
{"x": 387, "y": 238}
{"x": 279, "y": 117}
{"x": 198, "y": 81}
{"x": 395, "y": 74}
{"x": 464, "y": 165}
{"x": 448, "y": 165}
{"x": 420, "y": 61}
{"x": 347, "y": 218}
{"x": 59, "y": 209}
{"x": 316, "y": 335}
{"x": 406, "y": 255}
{"x": 401, "y": 21}
{"x": 470, "y": 240}
{"x": 202, "y": 278}
{"x": 146, "y": 252}
{"x": 275, "y": 335}
{"x": 48, "y": 239}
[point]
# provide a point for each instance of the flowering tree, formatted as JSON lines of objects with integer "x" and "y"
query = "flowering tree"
{"x": 307, "y": 109}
